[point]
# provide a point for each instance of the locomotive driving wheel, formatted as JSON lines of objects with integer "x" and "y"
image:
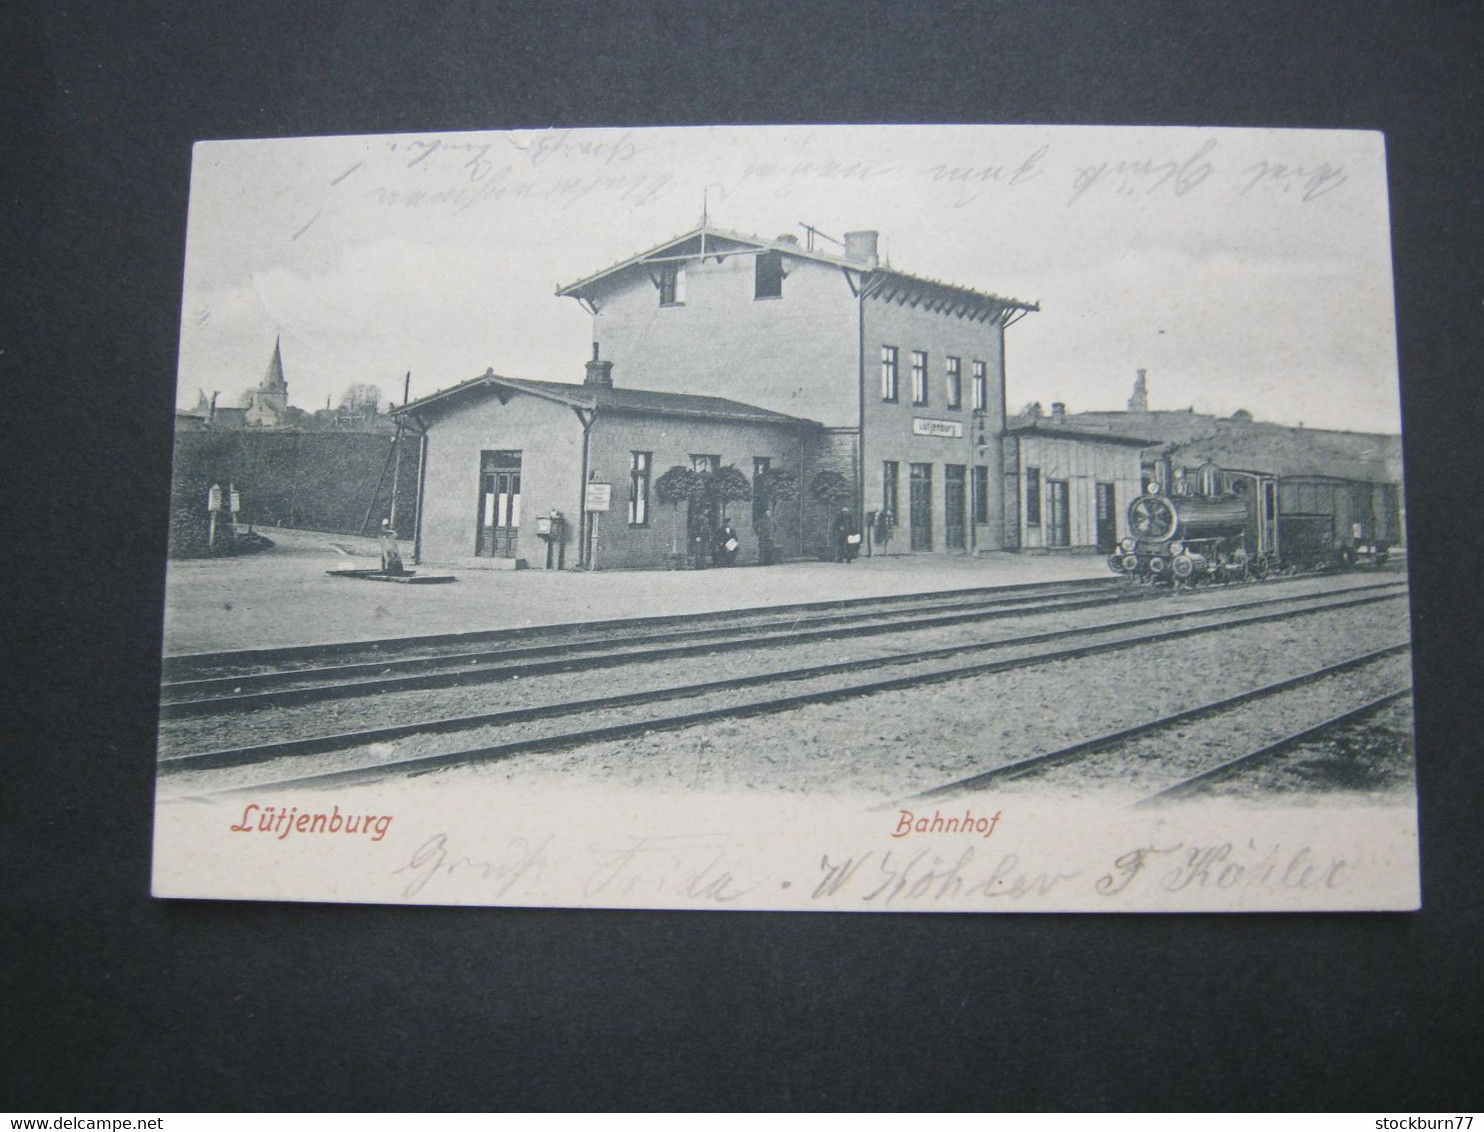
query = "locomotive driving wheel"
{"x": 1152, "y": 518}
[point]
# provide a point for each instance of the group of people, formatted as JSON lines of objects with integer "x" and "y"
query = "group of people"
{"x": 845, "y": 540}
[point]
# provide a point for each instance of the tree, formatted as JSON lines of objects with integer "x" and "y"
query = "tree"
{"x": 729, "y": 485}
{"x": 678, "y": 485}
{"x": 361, "y": 400}
{"x": 776, "y": 485}
{"x": 831, "y": 488}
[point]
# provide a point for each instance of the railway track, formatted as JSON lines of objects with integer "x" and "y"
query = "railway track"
{"x": 350, "y": 757}
{"x": 585, "y": 650}
{"x": 1187, "y": 767}
{"x": 194, "y": 666}
{"x": 217, "y": 695}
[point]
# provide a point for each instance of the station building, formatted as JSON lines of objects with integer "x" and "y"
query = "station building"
{"x": 1067, "y": 485}
{"x": 716, "y": 349}
{"x": 905, "y": 373}
{"x": 510, "y": 466}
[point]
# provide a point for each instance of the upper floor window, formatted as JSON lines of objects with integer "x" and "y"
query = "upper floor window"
{"x": 981, "y": 388}
{"x": 767, "y": 278}
{"x": 888, "y": 373}
{"x": 919, "y": 377}
{"x": 672, "y": 284}
{"x": 704, "y": 463}
{"x": 954, "y": 383}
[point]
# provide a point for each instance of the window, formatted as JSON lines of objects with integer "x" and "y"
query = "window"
{"x": 981, "y": 493}
{"x": 888, "y": 373}
{"x": 954, "y": 380}
{"x": 767, "y": 276}
{"x": 919, "y": 378}
{"x": 1033, "y": 497}
{"x": 981, "y": 388}
{"x": 889, "y": 474}
{"x": 704, "y": 463}
{"x": 672, "y": 284}
{"x": 639, "y": 489}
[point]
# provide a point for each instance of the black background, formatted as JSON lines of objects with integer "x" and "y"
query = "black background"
{"x": 114, "y": 1001}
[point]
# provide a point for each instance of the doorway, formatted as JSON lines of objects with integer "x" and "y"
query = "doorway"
{"x": 1107, "y": 518}
{"x": 1058, "y": 514}
{"x": 499, "y": 505}
{"x": 920, "y": 506}
{"x": 955, "y": 482}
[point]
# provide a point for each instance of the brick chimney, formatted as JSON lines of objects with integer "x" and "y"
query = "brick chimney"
{"x": 599, "y": 374}
{"x": 861, "y": 247}
{"x": 1058, "y": 412}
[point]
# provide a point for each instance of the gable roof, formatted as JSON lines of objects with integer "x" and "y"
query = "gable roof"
{"x": 1233, "y": 442}
{"x": 717, "y": 242}
{"x": 607, "y": 398}
{"x": 1064, "y": 429}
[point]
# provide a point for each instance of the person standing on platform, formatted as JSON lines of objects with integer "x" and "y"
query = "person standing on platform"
{"x": 724, "y": 552}
{"x": 846, "y": 539}
{"x": 763, "y": 528}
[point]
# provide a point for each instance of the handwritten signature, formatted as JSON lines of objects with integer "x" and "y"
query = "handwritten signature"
{"x": 681, "y": 866}
{"x": 925, "y": 876}
{"x": 1224, "y": 867}
{"x": 526, "y": 861}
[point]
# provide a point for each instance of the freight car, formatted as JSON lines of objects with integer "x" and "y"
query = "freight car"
{"x": 1217, "y": 525}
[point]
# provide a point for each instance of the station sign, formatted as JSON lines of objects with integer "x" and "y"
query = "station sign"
{"x": 599, "y": 497}
{"x": 927, "y": 426}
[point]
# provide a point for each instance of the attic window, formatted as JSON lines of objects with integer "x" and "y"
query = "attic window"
{"x": 672, "y": 284}
{"x": 768, "y": 276}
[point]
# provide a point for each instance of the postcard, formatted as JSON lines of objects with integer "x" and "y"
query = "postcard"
{"x": 835, "y": 518}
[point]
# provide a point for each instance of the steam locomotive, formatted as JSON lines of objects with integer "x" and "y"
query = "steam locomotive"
{"x": 1215, "y": 525}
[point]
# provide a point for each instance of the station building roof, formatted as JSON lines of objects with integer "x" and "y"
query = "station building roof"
{"x": 877, "y": 280}
{"x": 1063, "y": 430}
{"x": 1239, "y": 441}
{"x": 600, "y": 397}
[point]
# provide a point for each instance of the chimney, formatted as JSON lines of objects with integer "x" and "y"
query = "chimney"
{"x": 1139, "y": 402}
{"x": 861, "y": 246}
{"x": 1058, "y": 412}
{"x": 599, "y": 374}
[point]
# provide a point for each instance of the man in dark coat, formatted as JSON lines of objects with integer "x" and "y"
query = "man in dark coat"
{"x": 843, "y": 530}
{"x": 762, "y": 526}
{"x": 724, "y": 549}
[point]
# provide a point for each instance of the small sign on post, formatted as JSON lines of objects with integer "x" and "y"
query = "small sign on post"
{"x": 599, "y": 497}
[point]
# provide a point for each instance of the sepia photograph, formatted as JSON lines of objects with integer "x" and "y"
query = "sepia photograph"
{"x": 841, "y": 518}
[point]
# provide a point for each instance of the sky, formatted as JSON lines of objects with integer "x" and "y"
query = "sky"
{"x": 1243, "y": 269}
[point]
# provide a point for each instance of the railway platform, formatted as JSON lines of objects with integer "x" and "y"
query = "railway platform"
{"x": 285, "y": 596}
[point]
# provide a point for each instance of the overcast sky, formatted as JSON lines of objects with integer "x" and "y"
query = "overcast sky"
{"x": 1242, "y": 268}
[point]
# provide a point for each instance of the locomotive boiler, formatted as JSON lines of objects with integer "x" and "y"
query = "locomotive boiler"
{"x": 1222, "y": 527}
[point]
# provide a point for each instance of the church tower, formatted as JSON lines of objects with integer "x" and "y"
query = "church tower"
{"x": 268, "y": 404}
{"x": 1139, "y": 402}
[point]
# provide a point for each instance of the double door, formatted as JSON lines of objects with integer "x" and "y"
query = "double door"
{"x": 499, "y": 505}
